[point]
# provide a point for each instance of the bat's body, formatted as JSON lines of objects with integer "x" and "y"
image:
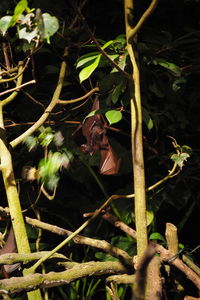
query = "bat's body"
{"x": 94, "y": 132}
{"x": 9, "y": 247}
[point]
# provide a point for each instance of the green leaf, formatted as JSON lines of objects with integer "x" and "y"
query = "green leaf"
{"x": 26, "y": 35}
{"x": 157, "y": 236}
{"x": 168, "y": 65}
{"x": 113, "y": 116}
{"x": 5, "y": 23}
{"x": 19, "y": 9}
{"x": 178, "y": 83}
{"x": 186, "y": 149}
{"x": 46, "y": 136}
{"x": 86, "y": 58}
{"x": 51, "y": 25}
{"x": 180, "y": 159}
{"x": 150, "y": 217}
{"x": 116, "y": 92}
{"x": 92, "y": 113}
{"x": 31, "y": 142}
{"x": 181, "y": 246}
{"x": 147, "y": 119}
{"x": 176, "y": 158}
{"x": 107, "y": 44}
{"x": 87, "y": 71}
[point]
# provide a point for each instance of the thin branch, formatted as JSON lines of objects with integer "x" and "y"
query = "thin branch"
{"x": 18, "y": 74}
{"x": 46, "y": 122}
{"x": 49, "y": 108}
{"x": 33, "y": 99}
{"x": 96, "y": 89}
{"x": 75, "y": 233}
{"x": 79, "y": 239}
{"x": 116, "y": 222}
{"x": 18, "y": 87}
{"x": 50, "y": 197}
{"x": 18, "y": 83}
{"x": 4, "y": 72}
{"x": 141, "y": 21}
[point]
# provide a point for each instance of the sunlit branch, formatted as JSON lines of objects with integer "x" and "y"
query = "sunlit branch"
{"x": 16, "y": 76}
{"x": 96, "y": 89}
{"x": 48, "y": 110}
{"x": 17, "y": 87}
{"x": 18, "y": 83}
{"x": 141, "y": 21}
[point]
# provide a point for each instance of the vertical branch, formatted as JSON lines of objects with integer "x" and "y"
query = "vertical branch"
{"x": 12, "y": 195}
{"x": 137, "y": 144}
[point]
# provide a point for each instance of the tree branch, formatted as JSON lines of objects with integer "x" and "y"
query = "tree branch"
{"x": 18, "y": 87}
{"x": 166, "y": 255}
{"x": 12, "y": 258}
{"x": 49, "y": 108}
{"x": 141, "y": 21}
{"x": 96, "y": 89}
{"x": 18, "y": 83}
{"x": 30, "y": 282}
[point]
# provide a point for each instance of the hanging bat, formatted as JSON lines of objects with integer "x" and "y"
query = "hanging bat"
{"x": 110, "y": 163}
{"x": 9, "y": 247}
{"x": 93, "y": 134}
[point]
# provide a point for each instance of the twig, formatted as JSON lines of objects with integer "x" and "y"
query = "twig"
{"x": 79, "y": 239}
{"x": 49, "y": 108}
{"x": 141, "y": 21}
{"x": 96, "y": 89}
{"x": 116, "y": 222}
{"x": 13, "y": 70}
{"x": 46, "y": 122}
{"x": 18, "y": 87}
{"x": 18, "y": 74}
{"x": 84, "y": 225}
{"x": 18, "y": 83}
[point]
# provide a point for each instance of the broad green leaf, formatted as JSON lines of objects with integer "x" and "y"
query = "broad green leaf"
{"x": 86, "y": 58}
{"x": 5, "y": 23}
{"x": 19, "y": 9}
{"x": 87, "y": 71}
{"x": 187, "y": 149}
{"x": 113, "y": 116}
{"x": 176, "y": 158}
{"x": 150, "y": 217}
{"x": 180, "y": 159}
{"x": 147, "y": 119}
{"x": 26, "y": 35}
{"x": 168, "y": 65}
{"x": 51, "y": 25}
{"x": 107, "y": 44}
{"x": 181, "y": 246}
{"x": 157, "y": 236}
{"x": 116, "y": 92}
{"x": 92, "y": 113}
